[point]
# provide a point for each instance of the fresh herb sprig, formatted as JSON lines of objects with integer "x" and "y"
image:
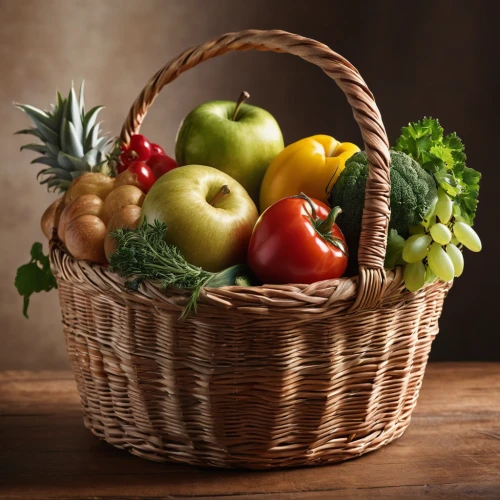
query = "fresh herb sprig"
{"x": 444, "y": 157}
{"x": 143, "y": 254}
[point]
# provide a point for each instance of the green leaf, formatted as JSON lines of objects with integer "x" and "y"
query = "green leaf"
{"x": 53, "y": 149}
{"x": 102, "y": 143}
{"x": 91, "y": 157}
{"x": 70, "y": 140}
{"x": 37, "y": 253}
{"x": 471, "y": 177}
{"x": 92, "y": 138}
{"x": 76, "y": 173}
{"x": 54, "y": 182}
{"x": 59, "y": 185}
{"x": 60, "y": 101}
{"x": 38, "y": 117}
{"x": 60, "y": 173}
{"x": 89, "y": 120}
{"x": 72, "y": 115}
{"x": 41, "y": 173}
{"x": 64, "y": 160}
{"x": 451, "y": 141}
{"x": 30, "y": 131}
{"x": 35, "y": 276}
{"x": 443, "y": 157}
{"x": 71, "y": 162}
{"x": 37, "y": 148}
{"x": 58, "y": 112}
{"x": 26, "y": 303}
{"x": 46, "y": 160}
{"x": 81, "y": 99}
{"x": 46, "y": 133}
{"x": 44, "y": 181}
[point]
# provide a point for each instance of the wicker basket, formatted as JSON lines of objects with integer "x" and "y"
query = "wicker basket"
{"x": 261, "y": 377}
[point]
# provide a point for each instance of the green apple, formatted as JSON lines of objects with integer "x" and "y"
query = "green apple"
{"x": 209, "y": 215}
{"x": 239, "y": 139}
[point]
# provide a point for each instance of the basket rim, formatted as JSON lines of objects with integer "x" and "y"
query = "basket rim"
{"x": 317, "y": 297}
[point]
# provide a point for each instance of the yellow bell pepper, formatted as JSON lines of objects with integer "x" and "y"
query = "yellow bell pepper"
{"x": 311, "y": 166}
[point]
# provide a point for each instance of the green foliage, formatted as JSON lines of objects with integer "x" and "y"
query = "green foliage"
{"x": 72, "y": 144}
{"x": 443, "y": 157}
{"x": 35, "y": 276}
{"x": 143, "y": 254}
{"x": 413, "y": 191}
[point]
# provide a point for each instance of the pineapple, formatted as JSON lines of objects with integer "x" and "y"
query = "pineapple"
{"x": 71, "y": 142}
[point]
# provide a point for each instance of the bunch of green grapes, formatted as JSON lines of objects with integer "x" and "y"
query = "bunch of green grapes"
{"x": 435, "y": 248}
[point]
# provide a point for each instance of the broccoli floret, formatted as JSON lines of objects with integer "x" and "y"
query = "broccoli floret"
{"x": 413, "y": 191}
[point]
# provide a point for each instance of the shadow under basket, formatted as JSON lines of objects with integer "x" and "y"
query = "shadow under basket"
{"x": 261, "y": 377}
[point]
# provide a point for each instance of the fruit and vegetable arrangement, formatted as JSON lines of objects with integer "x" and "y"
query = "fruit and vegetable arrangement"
{"x": 237, "y": 207}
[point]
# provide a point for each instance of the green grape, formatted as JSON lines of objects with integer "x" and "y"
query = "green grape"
{"x": 416, "y": 247}
{"x": 414, "y": 276}
{"x": 467, "y": 236}
{"x": 432, "y": 209}
{"x": 456, "y": 257}
{"x": 440, "y": 234}
{"x": 444, "y": 207}
{"x": 454, "y": 240}
{"x": 418, "y": 229}
{"x": 430, "y": 277}
{"x": 430, "y": 221}
{"x": 440, "y": 263}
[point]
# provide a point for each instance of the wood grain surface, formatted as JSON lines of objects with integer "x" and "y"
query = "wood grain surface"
{"x": 451, "y": 450}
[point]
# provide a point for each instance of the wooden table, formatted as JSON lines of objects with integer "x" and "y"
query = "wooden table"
{"x": 451, "y": 450}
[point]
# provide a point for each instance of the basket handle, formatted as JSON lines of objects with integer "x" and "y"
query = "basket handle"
{"x": 372, "y": 244}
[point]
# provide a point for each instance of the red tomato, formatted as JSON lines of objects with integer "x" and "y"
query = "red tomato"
{"x": 139, "y": 149}
{"x": 290, "y": 245}
{"x": 161, "y": 164}
{"x": 156, "y": 149}
{"x": 144, "y": 174}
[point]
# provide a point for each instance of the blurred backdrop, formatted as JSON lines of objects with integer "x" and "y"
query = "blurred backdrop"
{"x": 437, "y": 60}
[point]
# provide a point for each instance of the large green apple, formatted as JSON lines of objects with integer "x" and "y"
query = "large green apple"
{"x": 239, "y": 139}
{"x": 209, "y": 215}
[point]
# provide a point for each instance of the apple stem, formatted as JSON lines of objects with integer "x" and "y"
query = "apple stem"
{"x": 223, "y": 191}
{"x": 243, "y": 97}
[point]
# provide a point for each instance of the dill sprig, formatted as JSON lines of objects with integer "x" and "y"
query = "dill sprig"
{"x": 143, "y": 254}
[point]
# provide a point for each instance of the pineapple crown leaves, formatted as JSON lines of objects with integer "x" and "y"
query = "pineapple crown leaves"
{"x": 71, "y": 140}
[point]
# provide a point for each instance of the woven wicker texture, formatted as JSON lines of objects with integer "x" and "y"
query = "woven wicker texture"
{"x": 261, "y": 377}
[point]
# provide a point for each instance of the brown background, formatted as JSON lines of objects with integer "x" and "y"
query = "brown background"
{"x": 427, "y": 58}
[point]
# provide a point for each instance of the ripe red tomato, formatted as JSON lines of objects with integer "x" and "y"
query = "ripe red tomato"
{"x": 139, "y": 149}
{"x": 294, "y": 243}
{"x": 161, "y": 164}
{"x": 156, "y": 149}
{"x": 143, "y": 173}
